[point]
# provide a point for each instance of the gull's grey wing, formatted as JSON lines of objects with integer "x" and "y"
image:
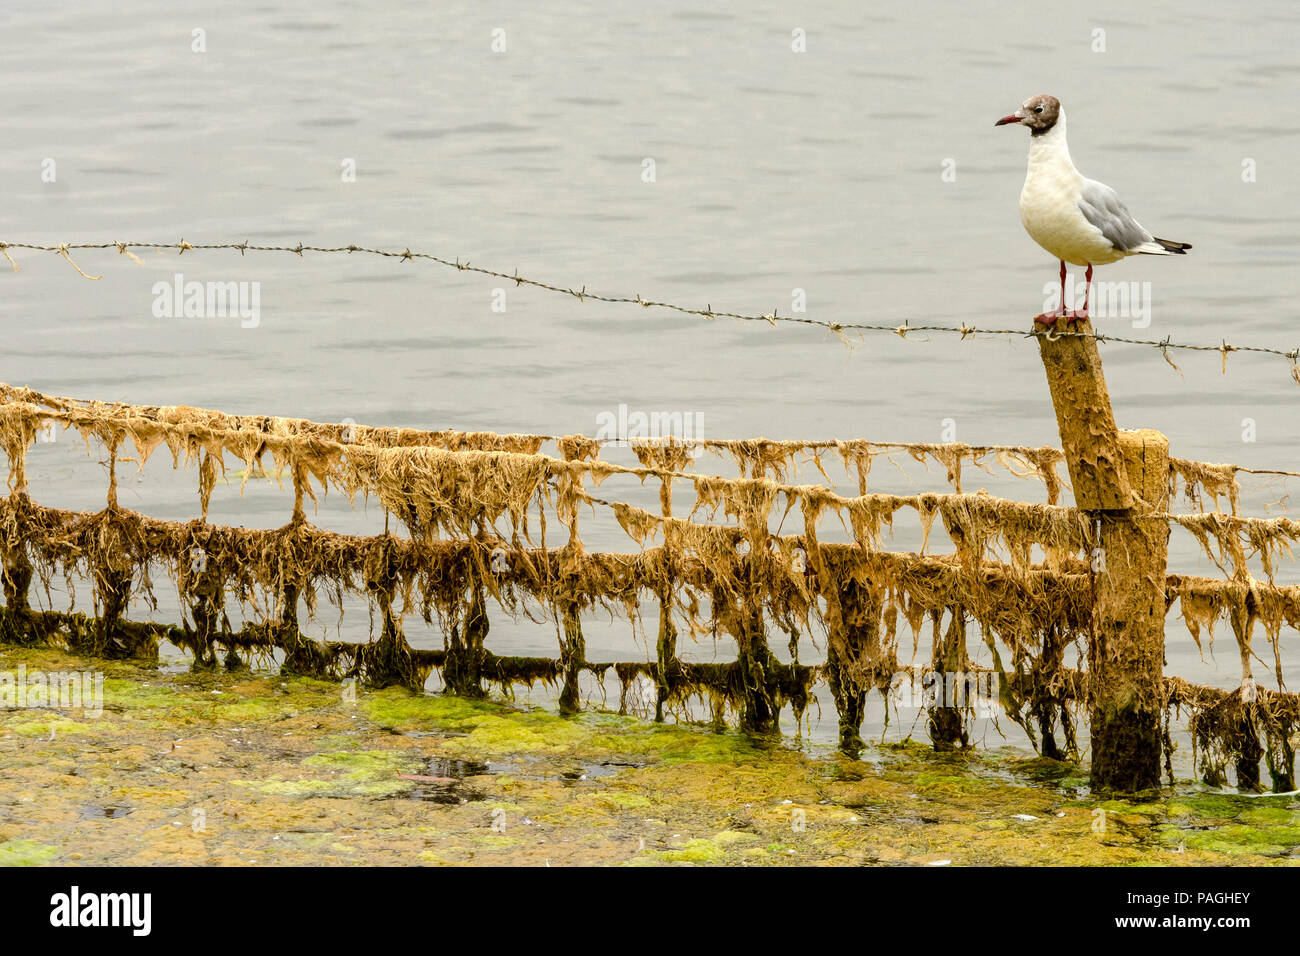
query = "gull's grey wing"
{"x": 1101, "y": 207}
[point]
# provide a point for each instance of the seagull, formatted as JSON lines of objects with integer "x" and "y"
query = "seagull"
{"x": 1077, "y": 220}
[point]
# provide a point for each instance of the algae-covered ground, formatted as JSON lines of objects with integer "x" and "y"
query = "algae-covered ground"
{"x": 242, "y": 768}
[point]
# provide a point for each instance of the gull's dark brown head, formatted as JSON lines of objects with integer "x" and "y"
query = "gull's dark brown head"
{"x": 1039, "y": 113}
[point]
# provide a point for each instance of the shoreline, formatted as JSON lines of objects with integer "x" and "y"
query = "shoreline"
{"x": 245, "y": 768}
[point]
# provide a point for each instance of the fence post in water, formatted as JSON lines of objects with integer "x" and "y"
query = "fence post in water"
{"x": 1249, "y": 751}
{"x": 15, "y": 582}
{"x": 302, "y": 655}
{"x": 203, "y": 591}
{"x": 759, "y": 713}
{"x": 113, "y": 589}
{"x": 573, "y": 652}
{"x": 946, "y": 720}
{"x": 667, "y": 665}
{"x": 853, "y": 625}
{"x": 462, "y": 670}
{"x": 388, "y": 661}
{"x": 1122, "y": 480}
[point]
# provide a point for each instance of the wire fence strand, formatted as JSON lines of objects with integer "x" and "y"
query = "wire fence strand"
{"x": 965, "y": 331}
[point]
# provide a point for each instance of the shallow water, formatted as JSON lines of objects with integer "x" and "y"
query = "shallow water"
{"x": 232, "y": 769}
{"x": 775, "y": 171}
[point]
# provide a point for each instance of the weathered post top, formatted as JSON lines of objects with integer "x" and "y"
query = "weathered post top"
{"x": 1085, "y": 419}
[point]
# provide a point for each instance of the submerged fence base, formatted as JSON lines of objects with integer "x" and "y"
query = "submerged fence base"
{"x": 1126, "y": 655}
{"x": 1228, "y": 732}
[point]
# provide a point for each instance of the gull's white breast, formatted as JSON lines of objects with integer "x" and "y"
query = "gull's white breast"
{"x": 1049, "y": 205}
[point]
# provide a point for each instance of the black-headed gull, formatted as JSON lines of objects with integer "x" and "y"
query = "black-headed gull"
{"x": 1078, "y": 220}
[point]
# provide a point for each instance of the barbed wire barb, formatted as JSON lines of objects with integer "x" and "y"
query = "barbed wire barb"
{"x": 1225, "y": 348}
{"x": 1164, "y": 350}
{"x": 63, "y": 251}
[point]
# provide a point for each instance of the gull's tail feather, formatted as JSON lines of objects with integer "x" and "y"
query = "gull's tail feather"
{"x": 1174, "y": 248}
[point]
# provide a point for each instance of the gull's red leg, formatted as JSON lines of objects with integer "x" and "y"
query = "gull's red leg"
{"x": 1047, "y": 318}
{"x": 1072, "y": 317}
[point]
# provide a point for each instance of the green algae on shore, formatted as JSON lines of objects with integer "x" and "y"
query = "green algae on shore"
{"x": 235, "y": 769}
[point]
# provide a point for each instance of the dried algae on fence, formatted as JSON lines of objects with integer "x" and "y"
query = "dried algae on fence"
{"x": 491, "y": 520}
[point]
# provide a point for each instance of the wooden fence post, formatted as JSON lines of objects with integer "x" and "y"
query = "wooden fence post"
{"x": 949, "y": 663}
{"x": 573, "y": 654}
{"x": 462, "y": 671}
{"x": 1122, "y": 480}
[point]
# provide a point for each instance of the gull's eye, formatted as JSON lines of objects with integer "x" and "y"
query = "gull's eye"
{"x": 1038, "y": 109}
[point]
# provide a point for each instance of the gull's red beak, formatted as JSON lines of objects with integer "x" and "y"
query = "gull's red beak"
{"x": 1007, "y": 119}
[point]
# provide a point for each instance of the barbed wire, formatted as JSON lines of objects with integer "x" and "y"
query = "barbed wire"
{"x": 1267, "y": 471}
{"x": 966, "y": 331}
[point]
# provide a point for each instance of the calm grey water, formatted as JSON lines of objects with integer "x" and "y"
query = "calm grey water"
{"x": 775, "y": 170}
